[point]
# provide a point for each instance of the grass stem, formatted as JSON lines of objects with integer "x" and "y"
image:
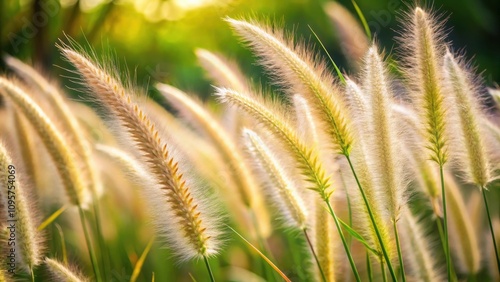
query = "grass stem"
{"x": 400, "y": 255}
{"x": 483, "y": 190}
{"x": 314, "y": 255}
{"x": 210, "y": 273}
{"x": 369, "y": 267}
{"x": 445, "y": 219}
{"x": 93, "y": 258}
{"x": 346, "y": 247}
{"x": 382, "y": 268}
{"x": 379, "y": 237}
{"x": 100, "y": 238}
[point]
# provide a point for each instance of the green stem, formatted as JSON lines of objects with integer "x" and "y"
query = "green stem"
{"x": 210, "y": 273}
{"x": 491, "y": 228}
{"x": 379, "y": 237}
{"x": 369, "y": 267}
{"x": 32, "y": 276}
{"x": 445, "y": 219}
{"x": 100, "y": 238}
{"x": 441, "y": 232}
{"x": 400, "y": 255}
{"x": 347, "y": 251}
{"x": 314, "y": 255}
{"x": 263, "y": 246}
{"x": 382, "y": 267}
{"x": 93, "y": 258}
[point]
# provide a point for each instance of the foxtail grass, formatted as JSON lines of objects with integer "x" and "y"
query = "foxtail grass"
{"x": 465, "y": 242}
{"x": 61, "y": 272}
{"x": 423, "y": 50}
{"x": 422, "y": 263}
{"x": 354, "y": 41}
{"x": 306, "y": 159}
{"x": 475, "y": 158}
{"x": 194, "y": 233}
{"x": 28, "y": 241}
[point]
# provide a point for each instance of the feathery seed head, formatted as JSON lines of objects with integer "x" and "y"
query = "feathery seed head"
{"x": 459, "y": 84}
{"x": 298, "y": 71}
{"x": 60, "y": 272}
{"x": 222, "y": 71}
{"x": 28, "y": 241}
{"x": 422, "y": 54}
{"x": 280, "y": 185}
{"x": 384, "y": 140}
{"x": 463, "y": 240}
{"x": 194, "y": 233}
{"x": 61, "y": 153}
{"x": 422, "y": 260}
{"x": 307, "y": 159}
{"x": 62, "y": 112}
{"x": 353, "y": 40}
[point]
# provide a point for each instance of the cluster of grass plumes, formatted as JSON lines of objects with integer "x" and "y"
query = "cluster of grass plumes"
{"x": 368, "y": 173}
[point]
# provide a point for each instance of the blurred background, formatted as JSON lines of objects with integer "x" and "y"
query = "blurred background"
{"x": 156, "y": 39}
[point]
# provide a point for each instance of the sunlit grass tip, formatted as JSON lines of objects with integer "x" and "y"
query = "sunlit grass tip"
{"x": 61, "y": 272}
{"x": 298, "y": 70}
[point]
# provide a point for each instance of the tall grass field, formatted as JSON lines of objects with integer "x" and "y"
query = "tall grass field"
{"x": 386, "y": 170}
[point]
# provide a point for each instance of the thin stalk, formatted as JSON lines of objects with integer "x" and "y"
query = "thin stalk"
{"x": 491, "y": 227}
{"x": 264, "y": 247}
{"x": 369, "y": 267}
{"x": 441, "y": 233}
{"x": 100, "y": 239}
{"x": 379, "y": 237}
{"x": 209, "y": 269}
{"x": 349, "y": 210}
{"x": 32, "y": 276}
{"x": 93, "y": 258}
{"x": 382, "y": 267}
{"x": 314, "y": 255}
{"x": 400, "y": 255}
{"x": 447, "y": 245}
{"x": 347, "y": 251}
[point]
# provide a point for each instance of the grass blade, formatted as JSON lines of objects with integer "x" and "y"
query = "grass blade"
{"x": 262, "y": 255}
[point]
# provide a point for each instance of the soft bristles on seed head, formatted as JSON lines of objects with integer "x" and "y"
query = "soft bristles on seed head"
{"x": 224, "y": 72}
{"x": 61, "y": 272}
{"x": 273, "y": 120}
{"x": 422, "y": 263}
{"x": 62, "y": 112}
{"x": 28, "y": 240}
{"x": 299, "y": 71}
{"x": 193, "y": 234}
{"x": 423, "y": 43}
{"x": 460, "y": 85}
{"x": 353, "y": 40}
{"x": 464, "y": 243}
{"x": 383, "y": 142}
{"x": 56, "y": 144}
{"x": 280, "y": 185}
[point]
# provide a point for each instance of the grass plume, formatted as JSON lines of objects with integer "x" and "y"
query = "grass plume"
{"x": 195, "y": 235}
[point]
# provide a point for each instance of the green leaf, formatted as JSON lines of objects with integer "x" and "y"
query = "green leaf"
{"x": 358, "y": 237}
